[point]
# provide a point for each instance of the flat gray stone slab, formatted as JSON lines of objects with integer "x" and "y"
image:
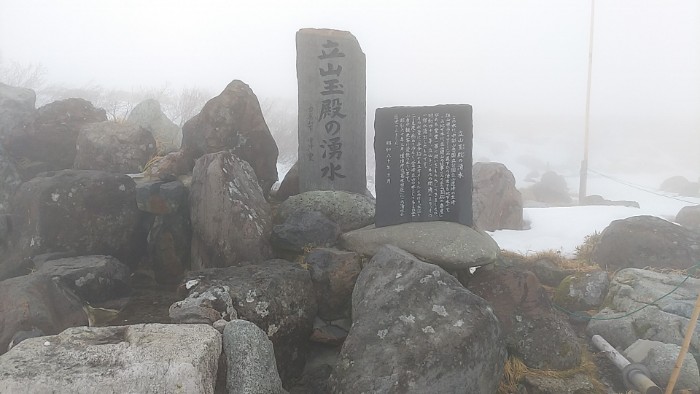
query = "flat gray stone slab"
{"x": 450, "y": 245}
{"x": 143, "y": 358}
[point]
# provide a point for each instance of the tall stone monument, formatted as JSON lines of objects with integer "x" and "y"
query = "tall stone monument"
{"x": 424, "y": 164}
{"x": 332, "y": 101}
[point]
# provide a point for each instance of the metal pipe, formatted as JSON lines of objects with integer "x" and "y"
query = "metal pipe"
{"x": 635, "y": 376}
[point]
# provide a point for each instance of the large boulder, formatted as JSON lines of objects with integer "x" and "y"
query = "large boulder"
{"x": 9, "y": 182}
{"x": 333, "y": 273}
{"x": 36, "y": 303}
{"x": 646, "y": 241}
{"x": 80, "y": 212}
{"x": 143, "y": 358}
{"x": 688, "y": 217}
{"x": 231, "y": 220}
{"x": 496, "y": 203}
{"x": 350, "y": 210}
{"x": 169, "y": 242}
{"x": 417, "y": 330}
{"x": 17, "y": 110}
{"x": 452, "y": 246}
{"x": 681, "y": 185}
{"x": 305, "y": 229}
{"x": 148, "y": 115}
{"x": 115, "y": 147}
{"x": 251, "y": 360}
{"x": 233, "y": 121}
{"x": 551, "y": 189}
{"x": 53, "y": 136}
{"x": 533, "y": 329}
{"x": 643, "y": 304}
{"x": 661, "y": 358}
{"x": 94, "y": 279}
{"x": 277, "y": 296}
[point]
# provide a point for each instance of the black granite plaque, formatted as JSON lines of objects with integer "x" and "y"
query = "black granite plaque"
{"x": 424, "y": 164}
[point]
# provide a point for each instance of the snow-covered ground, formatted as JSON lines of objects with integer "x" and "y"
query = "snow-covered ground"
{"x": 563, "y": 228}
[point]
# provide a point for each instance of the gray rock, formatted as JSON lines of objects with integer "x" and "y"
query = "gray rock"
{"x": 582, "y": 291}
{"x": 143, "y": 358}
{"x": 161, "y": 198}
{"x": 549, "y": 273}
{"x": 689, "y": 217}
{"x": 37, "y": 302}
{"x": 417, "y": 330}
{"x": 533, "y": 330}
{"x": 208, "y": 307}
{"x": 233, "y": 121}
{"x": 277, "y": 296}
{"x": 251, "y": 360}
{"x": 169, "y": 242}
{"x": 681, "y": 185}
{"x": 452, "y": 246}
{"x": 305, "y": 229}
{"x": 81, "y": 212}
{"x": 224, "y": 186}
{"x": 332, "y": 111}
{"x": 333, "y": 273}
{"x": 661, "y": 358}
{"x": 551, "y": 189}
{"x": 94, "y": 279}
{"x": 646, "y": 241}
{"x": 51, "y": 140}
{"x": 115, "y": 147}
{"x": 290, "y": 184}
{"x": 148, "y": 115}
{"x": 17, "y": 110}
{"x": 350, "y": 210}
{"x": 9, "y": 181}
{"x": 496, "y": 203}
{"x": 656, "y": 318}
{"x": 577, "y": 384}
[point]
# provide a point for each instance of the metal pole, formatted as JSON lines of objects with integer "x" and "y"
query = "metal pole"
{"x": 583, "y": 176}
{"x": 635, "y": 376}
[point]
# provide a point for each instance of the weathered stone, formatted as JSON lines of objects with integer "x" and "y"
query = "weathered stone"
{"x": 329, "y": 333}
{"x": 689, "y": 217}
{"x": 53, "y": 136}
{"x": 595, "y": 199}
{"x": 81, "y": 212}
{"x": 534, "y": 330}
{"x": 148, "y": 115}
{"x": 278, "y": 297}
{"x": 169, "y": 246}
{"x": 643, "y": 304}
{"x": 36, "y": 302}
{"x": 251, "y": 360}
{"x": 17, "y": 110}
{"x": 231, "y": 221}
{"x": 417, "y": 330}
{"x": 143, "y": 358}
{"x": 549, "y": 273}
{"x": 233, "y": 121}
{"x": 305, "y": 229}
{"x": 552, "y": 189}
{"x": 161, "y": 198}
{"x": 332, "y": 101}
{"x": 290, "y": 185}
{"x": 496, "y": 202}
{"x": 350, "y": 210}
{"x": 9, "y": 181}
{"x": 452, "y": 246}
{"x": 582, "y": 291}
{"x": 333, "y": 273}
{"x": 168, "y": 167}
{"x": 93, "y": 278}
{"x": 115, "y": 147}
{"x": 646, "y": 241}
{"x": 681, "y": 185}
{"x": 424, "y": 157}
{"x": 207, "y": 307}
{"x": 660, "y": 358}
{"x": 577, "y": 384}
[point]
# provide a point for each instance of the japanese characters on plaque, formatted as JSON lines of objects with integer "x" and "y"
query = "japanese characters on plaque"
{"x": 423, "y": 164}
{"x": 331, "y": 76}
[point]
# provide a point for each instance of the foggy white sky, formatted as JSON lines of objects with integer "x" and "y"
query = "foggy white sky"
{"x": 520, "y": 63}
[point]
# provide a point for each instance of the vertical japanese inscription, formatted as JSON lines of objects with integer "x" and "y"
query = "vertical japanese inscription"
{"x": 331, "y": 74}
{"x": 424, "y": 154}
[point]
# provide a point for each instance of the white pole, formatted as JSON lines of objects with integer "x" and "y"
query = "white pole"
{"x": 584, "y": 164}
